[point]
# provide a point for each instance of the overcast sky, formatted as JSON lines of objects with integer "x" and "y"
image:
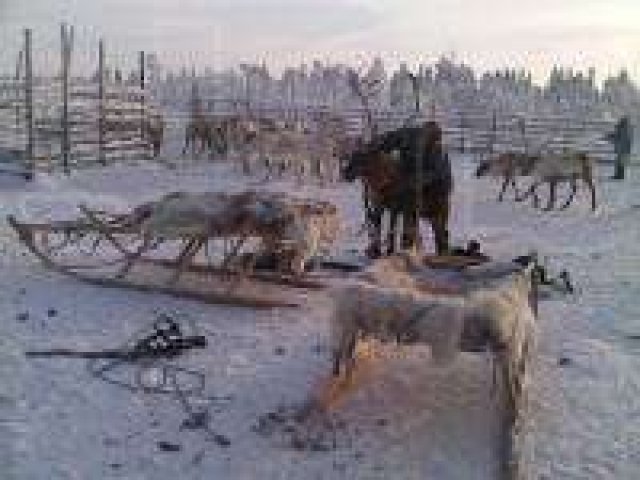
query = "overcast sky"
{"x": 486, "y": 33}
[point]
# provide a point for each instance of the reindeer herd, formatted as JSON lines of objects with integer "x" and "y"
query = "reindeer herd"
{"x": 405, "y": 172}
{"x": 276, "y": 147}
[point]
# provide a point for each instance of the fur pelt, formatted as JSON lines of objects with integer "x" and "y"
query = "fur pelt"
{"x": 362, "y": 309}
{"x": 296, "y": 229}
{"x": 496, "y": 316}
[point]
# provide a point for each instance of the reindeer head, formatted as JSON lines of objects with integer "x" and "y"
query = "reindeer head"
{"x": 493, "y": 164}
{"x": 483, "y": 167}
{"x": 354, "y": 166}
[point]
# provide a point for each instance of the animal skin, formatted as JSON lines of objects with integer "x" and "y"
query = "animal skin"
{"x": 494, "y": 315}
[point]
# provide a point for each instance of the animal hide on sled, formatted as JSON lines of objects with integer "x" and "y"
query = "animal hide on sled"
{"x": 295, "y": 228}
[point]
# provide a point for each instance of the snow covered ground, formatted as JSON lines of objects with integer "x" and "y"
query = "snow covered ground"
{"x": 407, "y": 420}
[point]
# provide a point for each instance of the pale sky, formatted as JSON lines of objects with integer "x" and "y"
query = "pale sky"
{"x": 485, "y": 33}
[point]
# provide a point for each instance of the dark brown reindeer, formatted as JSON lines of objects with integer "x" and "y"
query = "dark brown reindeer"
{"x": 391, "y": 183}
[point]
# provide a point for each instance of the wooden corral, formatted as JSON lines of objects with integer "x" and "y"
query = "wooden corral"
{"x": 71, "y": 121}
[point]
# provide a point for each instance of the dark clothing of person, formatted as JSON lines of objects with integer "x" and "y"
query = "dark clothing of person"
{"x": 622, "y": 137}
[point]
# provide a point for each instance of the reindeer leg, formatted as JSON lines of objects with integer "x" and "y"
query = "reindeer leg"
{"x": 374, "y": 219}
{"x": 514, "y": 185}
{"x": 186, "y": 143}
{"x": 503, "y": 189}
{"x": 342, "y": 351}
{"x": 439, "y": 225}
{"x": 528, "y": 193}
{"x": 552, "y": 196}
{"x": 336, "y": 364}
{"x": 592, "y": 188}
{"x": 391, "y": 234}
{"x": 351, "y": 356}
{"x": 574, "y": 189}
{"x": 410, "y": 230}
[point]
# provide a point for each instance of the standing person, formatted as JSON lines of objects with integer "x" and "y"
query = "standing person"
{"x": 621, "y": 137}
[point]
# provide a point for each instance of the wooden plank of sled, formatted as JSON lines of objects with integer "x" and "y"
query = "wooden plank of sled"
{"x": 61, "y": 226}
{"x": 79, "y": 226}
{"x": 255, "y": 275}
{"x": 214, "y": 298}
{"x": 26, "y": 237}
{"x": 451, "y": 261}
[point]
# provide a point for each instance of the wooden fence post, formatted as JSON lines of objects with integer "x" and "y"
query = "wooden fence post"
{"x": 494, "y": 130}
{"x": 28, "y": 91}
{"x": 462, "y": 131}
{"x": 246, "y": 167}
{"x": 66, "y": 36}
{"x": 101, "y": 156}
{"x": 17, "y": 87}
{"x": 523, "y": 132}
{"x": 142, "y": 103}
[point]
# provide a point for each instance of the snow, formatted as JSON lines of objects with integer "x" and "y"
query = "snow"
{"x": 406, "y": 419}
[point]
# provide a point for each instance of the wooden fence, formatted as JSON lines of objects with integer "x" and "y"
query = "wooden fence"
{"x": 66, "y": 121}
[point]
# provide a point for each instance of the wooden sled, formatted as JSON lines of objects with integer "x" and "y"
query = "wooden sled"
{"x": 155, "y": 249}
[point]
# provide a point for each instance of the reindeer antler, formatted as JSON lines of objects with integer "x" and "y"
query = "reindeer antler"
{"x": 415, "y": 87}
{"x": 364, "y": 89}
